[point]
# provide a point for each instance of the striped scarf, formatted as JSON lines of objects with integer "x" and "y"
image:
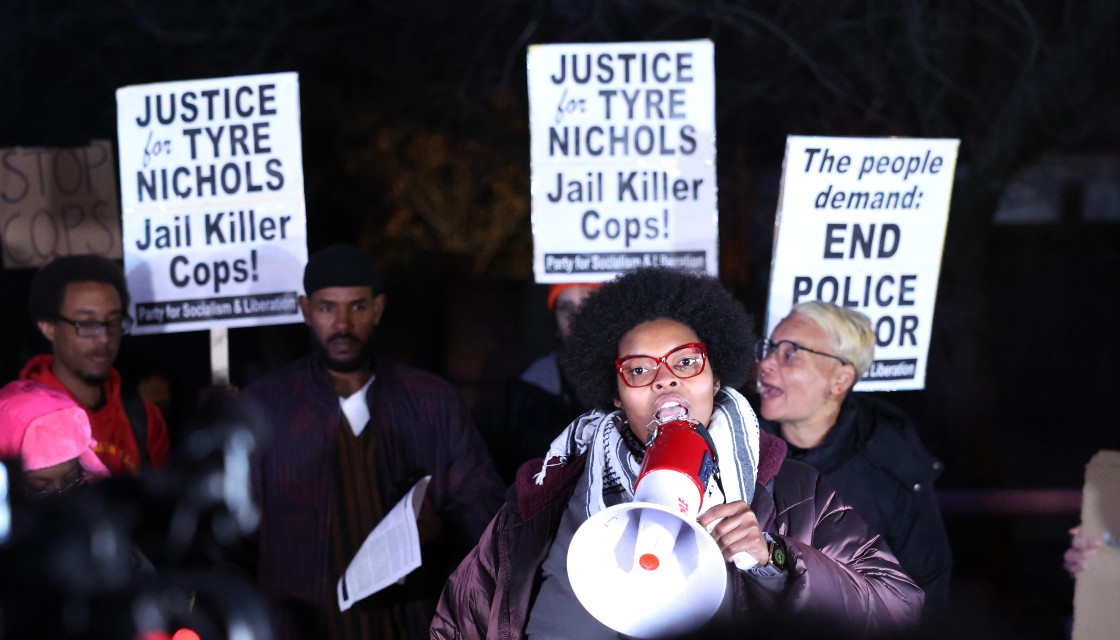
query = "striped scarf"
{"x": 612, "y": 468}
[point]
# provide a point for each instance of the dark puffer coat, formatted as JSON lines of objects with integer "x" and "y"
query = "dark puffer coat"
{"x": 838, "y": 573}
{"x": 874, "y": 458}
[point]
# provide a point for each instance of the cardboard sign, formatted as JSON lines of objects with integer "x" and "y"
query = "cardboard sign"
{"x": 861, "y": 223}
{"x": 623, "y": 158}
{"x": 215, "y": 230}
{"x": 58, "y": 202}
{"x": 1095, "y": 614}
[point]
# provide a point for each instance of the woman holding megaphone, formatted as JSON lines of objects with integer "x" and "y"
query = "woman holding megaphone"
{"x": 650, "y": 348}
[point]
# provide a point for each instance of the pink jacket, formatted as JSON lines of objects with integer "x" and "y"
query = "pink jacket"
{"x": 43, "y": 427}
{"x": 116, "y": 445}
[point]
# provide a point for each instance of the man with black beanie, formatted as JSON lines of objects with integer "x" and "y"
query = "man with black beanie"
{"x": 350, "y": 432}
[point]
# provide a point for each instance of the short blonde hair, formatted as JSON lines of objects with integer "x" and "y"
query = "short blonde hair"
{"x": 849, "y": 331}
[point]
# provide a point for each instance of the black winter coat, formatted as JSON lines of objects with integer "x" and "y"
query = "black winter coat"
{"x": 874, "y": 458}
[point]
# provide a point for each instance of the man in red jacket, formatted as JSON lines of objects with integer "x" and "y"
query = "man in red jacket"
{"x": 80, "y": 305}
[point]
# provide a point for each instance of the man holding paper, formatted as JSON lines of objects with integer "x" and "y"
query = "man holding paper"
{"x": 350, "y": 435}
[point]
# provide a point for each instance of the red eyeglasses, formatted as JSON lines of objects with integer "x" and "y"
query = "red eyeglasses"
{"x": 685, "y": 361}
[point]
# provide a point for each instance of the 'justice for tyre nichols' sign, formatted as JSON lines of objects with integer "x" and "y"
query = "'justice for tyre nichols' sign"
{"x": 623, "y": 155}
{"x": 861, "y": 223}
{"x": 214, "y": 224}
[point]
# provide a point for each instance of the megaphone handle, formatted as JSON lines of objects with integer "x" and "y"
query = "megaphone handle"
{"x": 702, "y": 431}
{"x": 744, "y": 561}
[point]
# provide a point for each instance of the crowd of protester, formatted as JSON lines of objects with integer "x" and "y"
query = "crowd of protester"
{"x": 829, "y": 492}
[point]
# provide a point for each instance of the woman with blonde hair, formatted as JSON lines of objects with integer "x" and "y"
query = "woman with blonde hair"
{"x": 868, "y": 449}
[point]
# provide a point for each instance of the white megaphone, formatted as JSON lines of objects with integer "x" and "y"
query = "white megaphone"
{"x": 647, "y": 569}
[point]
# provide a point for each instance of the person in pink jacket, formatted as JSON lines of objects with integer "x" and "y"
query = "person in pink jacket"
{"x": 50, "y": 435}
{"x": 651, "y": 345}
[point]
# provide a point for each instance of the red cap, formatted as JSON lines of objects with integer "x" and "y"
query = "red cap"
{"x": 555, "y": 290}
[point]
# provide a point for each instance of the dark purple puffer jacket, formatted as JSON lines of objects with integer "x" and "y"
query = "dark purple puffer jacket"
{"x": 839, "y": 570}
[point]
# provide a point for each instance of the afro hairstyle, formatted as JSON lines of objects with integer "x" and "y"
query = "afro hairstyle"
{"x": 698, "y": 301}
{"x": 49, "y": 284}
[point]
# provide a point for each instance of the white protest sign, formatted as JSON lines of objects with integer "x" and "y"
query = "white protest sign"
{"x": 58, "y": 202}
{"x": 214, "y": 224}
{"x": 861, "y": 223}
{"x": 623, "y": 158}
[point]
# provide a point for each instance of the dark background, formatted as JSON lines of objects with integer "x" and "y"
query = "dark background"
{"x": 415, "y": 139}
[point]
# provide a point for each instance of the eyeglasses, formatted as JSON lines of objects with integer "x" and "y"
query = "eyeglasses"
{"x": 786, "y": 351}
{"x": 685, "y": 361}
{"x": 46, "y": 493}
{"x": 93, "y": 328}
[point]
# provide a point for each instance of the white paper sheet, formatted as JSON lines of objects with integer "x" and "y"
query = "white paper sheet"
{"x": 390, "y": 552}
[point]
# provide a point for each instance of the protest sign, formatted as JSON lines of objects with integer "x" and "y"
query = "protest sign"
{"x": 861, "y": 223}
{"x": 212, "y": 189}
{"x": 1094, "y": 612}
{"x": 623, "y": 158}
{"x": 58, "y": 202}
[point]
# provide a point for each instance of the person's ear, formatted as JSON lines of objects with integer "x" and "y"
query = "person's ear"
{"x": 843, "y": 380}
{"x": 47, "y": 329}
{"x": 717, "y": 385}
{"x": 378, "y": 308}
{"x": 305, "y": 309}
{"x": 617, "y": 402}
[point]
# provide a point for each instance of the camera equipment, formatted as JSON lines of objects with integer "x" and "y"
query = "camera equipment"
{"x": 138, "y": 557}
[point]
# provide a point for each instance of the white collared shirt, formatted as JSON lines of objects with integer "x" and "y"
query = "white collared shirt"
{"x": 356, "y": 409}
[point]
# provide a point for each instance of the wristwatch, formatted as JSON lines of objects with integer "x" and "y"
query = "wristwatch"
{"x": 778, "y": 559}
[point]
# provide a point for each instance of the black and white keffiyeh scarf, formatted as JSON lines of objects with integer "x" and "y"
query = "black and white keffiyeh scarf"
{"x": 612, "y": 468}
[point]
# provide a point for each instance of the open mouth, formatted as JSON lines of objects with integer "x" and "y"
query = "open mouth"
{"x": 768, "y": 391}
{"x": 671, "y": 410}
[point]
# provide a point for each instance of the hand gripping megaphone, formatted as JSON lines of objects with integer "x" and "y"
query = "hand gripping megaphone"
{"x": 646, "y": 568}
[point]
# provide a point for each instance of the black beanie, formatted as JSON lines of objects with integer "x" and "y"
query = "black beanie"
{"x": 340, "y": 265}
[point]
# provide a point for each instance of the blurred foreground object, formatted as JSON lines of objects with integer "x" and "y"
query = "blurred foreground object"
{"x": 1094, "y": 600}
{"x": 131, "y": 556}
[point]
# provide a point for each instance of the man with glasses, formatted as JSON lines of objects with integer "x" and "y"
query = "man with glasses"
{"x": 80, "y": 305}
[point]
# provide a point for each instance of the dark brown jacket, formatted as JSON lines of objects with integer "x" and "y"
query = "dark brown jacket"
{"x": 422, "y": 426}
{"x": 840, "y": 571}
